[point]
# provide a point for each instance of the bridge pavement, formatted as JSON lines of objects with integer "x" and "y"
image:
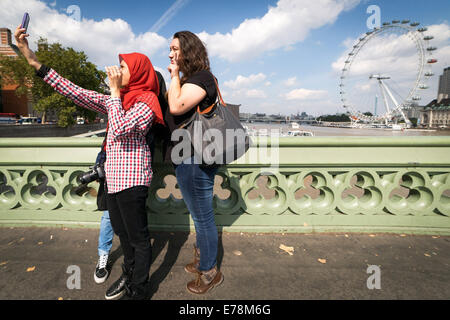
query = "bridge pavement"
{"x": 37, "y": 263}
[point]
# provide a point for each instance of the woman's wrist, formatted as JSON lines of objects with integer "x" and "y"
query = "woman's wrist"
{"x": 175, "y": 75}
{"x": 174, "y": 85}
{"x": 115, "y": 93}
{"x": 35, "y": 64}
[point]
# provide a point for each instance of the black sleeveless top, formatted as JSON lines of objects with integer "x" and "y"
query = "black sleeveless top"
{"x": 205, "y": 80}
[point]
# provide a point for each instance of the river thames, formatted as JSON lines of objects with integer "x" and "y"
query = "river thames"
{"x": 333, "y": 131}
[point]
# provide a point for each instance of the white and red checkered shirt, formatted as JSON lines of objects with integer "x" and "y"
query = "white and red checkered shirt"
{"x": 128, "y": 158}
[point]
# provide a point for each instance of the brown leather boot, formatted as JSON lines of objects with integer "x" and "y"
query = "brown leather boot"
{"x": 205, "y": 281}
{"x": 193, "y": 266}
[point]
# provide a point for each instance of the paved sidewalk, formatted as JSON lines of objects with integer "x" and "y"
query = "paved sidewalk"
{"x": 34, "y": 264}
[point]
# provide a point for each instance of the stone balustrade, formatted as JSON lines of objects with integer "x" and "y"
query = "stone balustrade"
{"x": 304, "y": 184}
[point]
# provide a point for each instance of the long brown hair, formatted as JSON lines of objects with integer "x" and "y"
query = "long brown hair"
{"x": 194, "y": 56}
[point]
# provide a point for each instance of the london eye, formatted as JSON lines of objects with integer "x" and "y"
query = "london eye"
{"x": 387, "y": 70}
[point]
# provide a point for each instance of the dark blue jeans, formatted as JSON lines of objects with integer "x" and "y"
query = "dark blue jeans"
{"x": 197, "y": 185}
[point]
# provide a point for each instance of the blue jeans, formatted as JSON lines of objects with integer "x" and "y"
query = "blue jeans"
{"x": 197, "y": 185}
{"x": 105, "y": 238}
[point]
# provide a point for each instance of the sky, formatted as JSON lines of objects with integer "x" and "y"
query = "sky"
{"x": 270, "y": 56}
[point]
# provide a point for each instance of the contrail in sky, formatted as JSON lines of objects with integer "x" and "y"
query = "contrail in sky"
{"x": 168, "y": 15}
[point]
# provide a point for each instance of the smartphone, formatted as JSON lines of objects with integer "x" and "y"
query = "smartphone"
{"x": 25, "y": 21}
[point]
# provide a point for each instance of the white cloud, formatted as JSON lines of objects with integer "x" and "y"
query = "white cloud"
{"x": 102, "y": 40}
{"x": 255, "y": 93}
{"x": 248, "y": 87}
{"x": 290, "y": 82}
{"x": 245, "y": 82}
{"x": 393, "y": 52}
{"x": 289, "y": 22}
{"x": 305, "y": 94}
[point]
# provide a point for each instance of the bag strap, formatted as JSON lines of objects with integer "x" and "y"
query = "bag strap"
{"x": 218, "y": 92}
{"x": 207, "y": 110}
{"x": 219, "y": 95}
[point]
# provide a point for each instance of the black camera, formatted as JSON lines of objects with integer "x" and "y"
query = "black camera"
{"x": 97, "y": 172}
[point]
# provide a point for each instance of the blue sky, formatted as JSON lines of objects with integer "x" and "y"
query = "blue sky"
{"x": 271, "y": 56}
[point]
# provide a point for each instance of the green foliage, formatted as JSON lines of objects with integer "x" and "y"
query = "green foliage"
{"x": 335, "y": 118}
{"x": 68, "y": 63}
{"x": 15, "y": 71}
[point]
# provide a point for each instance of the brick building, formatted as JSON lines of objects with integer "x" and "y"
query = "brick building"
{"x": 9, "y": 101}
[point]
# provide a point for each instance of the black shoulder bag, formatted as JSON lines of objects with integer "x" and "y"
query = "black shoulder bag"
{"x": 216, "y": 134}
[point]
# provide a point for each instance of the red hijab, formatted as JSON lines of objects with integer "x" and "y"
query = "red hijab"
{"x": 143, "y": 84}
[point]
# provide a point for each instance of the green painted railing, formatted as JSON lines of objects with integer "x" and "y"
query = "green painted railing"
{"x": 306, "y": 184}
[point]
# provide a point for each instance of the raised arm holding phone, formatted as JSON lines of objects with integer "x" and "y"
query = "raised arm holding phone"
{"x": 132, "y": 108}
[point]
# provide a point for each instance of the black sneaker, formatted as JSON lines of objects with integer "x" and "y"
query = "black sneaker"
{"x": 118, "y": 288}
{"x": 136, "y": 293}
{"x": 101, "y": 272}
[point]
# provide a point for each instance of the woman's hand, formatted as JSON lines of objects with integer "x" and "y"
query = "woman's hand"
{"x": 22, "y": 44}
{"x": 174, "y": 68}
{"x": 115, "y": 80}
{"x": 21, "y": 37}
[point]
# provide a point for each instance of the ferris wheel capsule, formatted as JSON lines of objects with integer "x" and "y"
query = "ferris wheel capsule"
{"x": 427, "y": 38}
{"x": 432, "y": 61}
{"x": 423, "y": 29}
{"x": 431, "y": 48}
{"x": 414, "y": 24}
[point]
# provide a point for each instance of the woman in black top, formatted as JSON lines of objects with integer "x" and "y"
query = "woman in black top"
{"x": 196, "y": 88}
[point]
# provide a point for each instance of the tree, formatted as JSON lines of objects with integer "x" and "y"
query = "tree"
{"x": 335, "y": 118}
{"x": 68, "y": 63}
{"x": 414, "y": 122}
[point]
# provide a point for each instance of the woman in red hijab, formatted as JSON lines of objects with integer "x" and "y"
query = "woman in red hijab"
{"x": 132, "y": 108}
